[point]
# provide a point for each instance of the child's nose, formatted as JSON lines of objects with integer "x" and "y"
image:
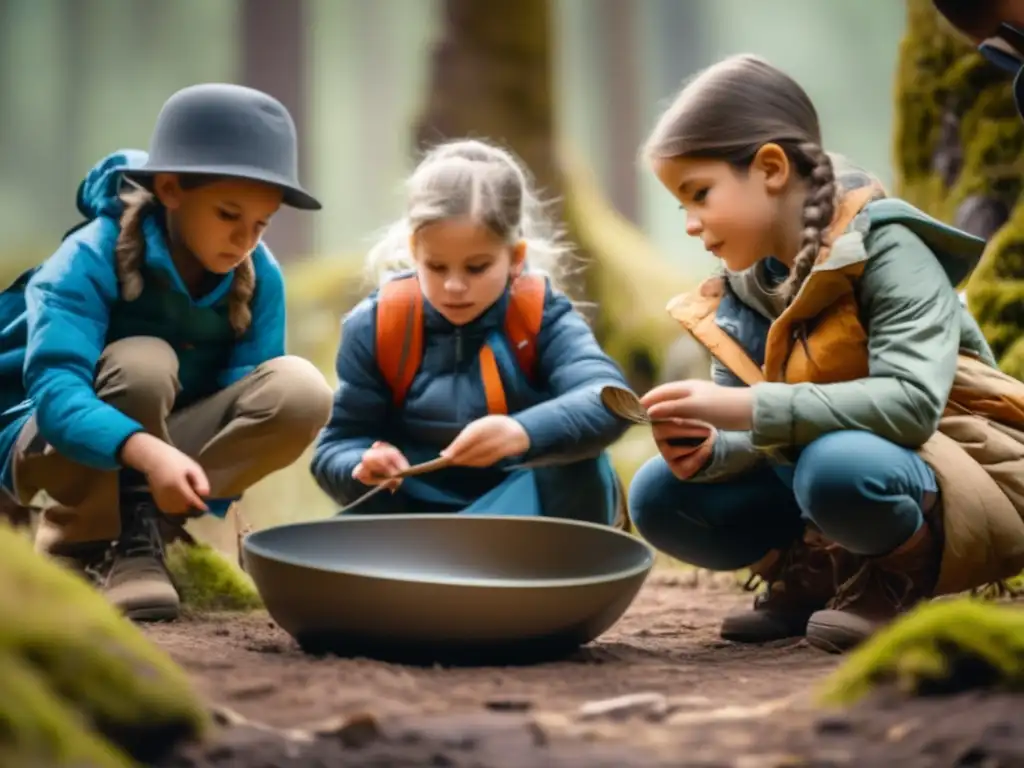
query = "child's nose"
{"x": 244, "y": 239}
{"x": 454, "y": 285}
{"x": 694, "y": 226}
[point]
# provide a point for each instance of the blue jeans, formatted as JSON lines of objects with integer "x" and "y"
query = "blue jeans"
{"x": 863, "y": 492}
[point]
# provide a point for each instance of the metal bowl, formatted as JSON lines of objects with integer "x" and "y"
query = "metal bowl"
{"x": 446, "y": 588}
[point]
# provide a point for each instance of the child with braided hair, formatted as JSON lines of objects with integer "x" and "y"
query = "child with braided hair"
{"x": 143, "y": 375}
{"x": 859, "y": 438}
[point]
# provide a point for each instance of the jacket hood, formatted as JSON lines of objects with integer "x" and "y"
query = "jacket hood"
{"x": 98, "y": 193}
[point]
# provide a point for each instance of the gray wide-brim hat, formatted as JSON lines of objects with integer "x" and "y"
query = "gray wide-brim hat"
{"x": 219, "y": 129}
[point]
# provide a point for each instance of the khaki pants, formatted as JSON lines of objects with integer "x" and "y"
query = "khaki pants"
{"x": 239, "y": 435}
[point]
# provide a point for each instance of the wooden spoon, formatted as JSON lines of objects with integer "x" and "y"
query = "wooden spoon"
{"x": 625, "y": 404}
{"x": 416, "y": 469}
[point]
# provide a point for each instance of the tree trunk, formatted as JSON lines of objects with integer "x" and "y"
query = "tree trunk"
{"x": 958, "y": 146}
{"x": 491, "y": 78}
{"x": 274, "y": 61}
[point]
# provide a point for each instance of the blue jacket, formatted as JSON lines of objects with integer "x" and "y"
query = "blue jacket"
{"x": 562, "y": 412}
{"x": 58, "y": 318}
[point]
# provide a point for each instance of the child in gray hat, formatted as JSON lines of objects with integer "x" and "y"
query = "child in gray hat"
{"x": 153, "y": 345}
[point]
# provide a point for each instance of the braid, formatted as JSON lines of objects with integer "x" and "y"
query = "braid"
{"x": 131, "y": 242}
{"x": 129, "y": 253}
{"x": 242, "y": 289}
{"x": 819, "y": 208}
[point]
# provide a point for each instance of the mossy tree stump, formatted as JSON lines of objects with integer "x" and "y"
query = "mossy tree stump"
{"x": 959, "y": 144}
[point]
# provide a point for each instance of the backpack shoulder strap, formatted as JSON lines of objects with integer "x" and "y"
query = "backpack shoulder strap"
{"x": 400, "y": 334}
{"x": 523, "y": 319}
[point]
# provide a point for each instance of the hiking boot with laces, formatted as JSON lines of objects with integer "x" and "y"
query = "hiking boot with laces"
{"x": 798, "y": 581}
{"x": 137, "y": 581}
{"x": 881, "y": 589}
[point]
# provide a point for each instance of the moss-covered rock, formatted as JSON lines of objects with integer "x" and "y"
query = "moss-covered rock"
{"x": 81, "y": 685}
{"x": 208, "y": 581}
{"x": 941, "y": 647}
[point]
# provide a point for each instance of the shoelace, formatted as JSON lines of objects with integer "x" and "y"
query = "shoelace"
{"x": 140, "y": 537}
{"x": 870, "y": 575}
{"x": 795, "y": 563}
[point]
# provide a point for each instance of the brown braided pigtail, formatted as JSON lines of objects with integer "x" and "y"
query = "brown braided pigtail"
{"x": 819, "y": 208}
{"x": 131, "y": 242}
{"x": 242, "y": 289}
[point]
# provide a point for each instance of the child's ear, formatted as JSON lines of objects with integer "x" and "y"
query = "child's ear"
{"x": 772, "y": 163}
{"x": 518, "y": 259}
{"x": 167, "y": 190}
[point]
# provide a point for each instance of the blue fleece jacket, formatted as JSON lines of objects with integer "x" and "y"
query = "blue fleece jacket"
{"x": 73, "y": 309}
{"x": 560, "y": 410}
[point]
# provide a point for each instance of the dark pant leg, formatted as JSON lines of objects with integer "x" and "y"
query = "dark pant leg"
{"x": 584, "y": 490}
{"x": 862, "y": 491}
{"x": 722, "y": 526}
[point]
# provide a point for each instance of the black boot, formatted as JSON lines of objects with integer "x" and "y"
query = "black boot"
{"x": 137, "y": 581}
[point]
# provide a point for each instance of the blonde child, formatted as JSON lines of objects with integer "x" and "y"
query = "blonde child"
{"x": 864, "y": 452}
{"x": 156, "y": 383}
{"x": 471, "y": 353}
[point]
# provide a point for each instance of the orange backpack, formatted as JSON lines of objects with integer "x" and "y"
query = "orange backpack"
{"x": 400, "y": 335}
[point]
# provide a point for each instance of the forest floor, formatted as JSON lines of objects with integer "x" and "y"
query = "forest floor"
{"x": 658, "y": 689}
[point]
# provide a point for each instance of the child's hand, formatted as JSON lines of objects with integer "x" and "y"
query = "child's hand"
{"x": 684, "y": 461}
{"x": 379, "y": 463}
{"x": 177, "y": 482}
{"x": 723, "y": 407}
{"x": 487, "y": 441}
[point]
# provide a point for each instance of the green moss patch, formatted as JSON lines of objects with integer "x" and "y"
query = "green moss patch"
{"x": 209, "y": 582}
{"x": 943, "y": 647}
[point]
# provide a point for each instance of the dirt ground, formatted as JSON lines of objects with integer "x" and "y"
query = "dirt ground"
{"x": 659, "y": 689}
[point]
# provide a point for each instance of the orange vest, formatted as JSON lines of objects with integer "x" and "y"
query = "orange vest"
{"x": 818, "y": 338}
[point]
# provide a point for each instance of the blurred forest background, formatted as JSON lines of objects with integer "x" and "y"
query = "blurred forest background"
{"x": 571, "y": 85}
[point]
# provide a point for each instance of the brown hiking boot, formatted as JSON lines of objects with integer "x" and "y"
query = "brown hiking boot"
{"x": 798, "y": 581}
{"x": 137, "y": 581}
{"x": 881, "y": 589}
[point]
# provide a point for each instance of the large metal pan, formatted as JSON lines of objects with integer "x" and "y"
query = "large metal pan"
{"x": 446, "y": 588}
